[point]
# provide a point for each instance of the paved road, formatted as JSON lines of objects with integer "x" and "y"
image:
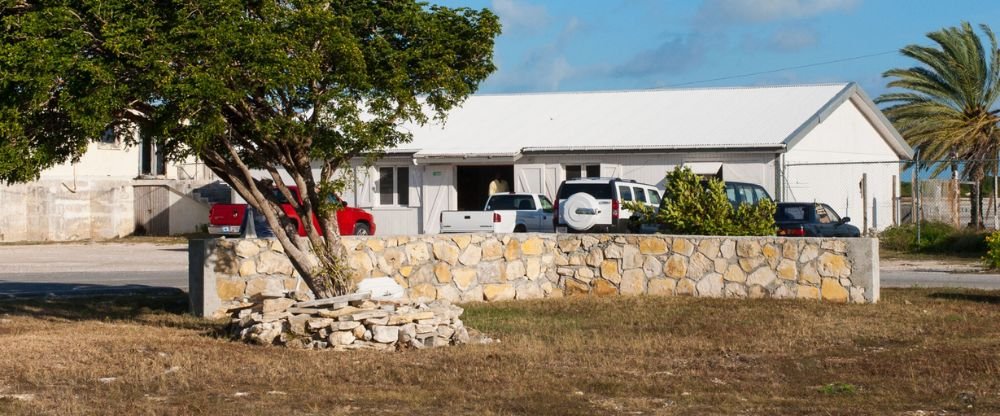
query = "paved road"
{"x": 77, "y": 269}
{"x": 909, "y": 278}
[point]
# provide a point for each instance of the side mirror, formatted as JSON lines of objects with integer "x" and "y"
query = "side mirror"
{"x": 845, "y": 220}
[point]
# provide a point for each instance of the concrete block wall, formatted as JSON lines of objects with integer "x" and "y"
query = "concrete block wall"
{"x": 55, "y": 210}
{"x": 487, "y": 267}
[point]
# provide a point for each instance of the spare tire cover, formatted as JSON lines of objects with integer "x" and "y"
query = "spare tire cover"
{"x": 580, "y": 211}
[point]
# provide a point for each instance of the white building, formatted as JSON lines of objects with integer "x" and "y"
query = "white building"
{"x": 802, "y": 143}
{"x": 113, "y": 191}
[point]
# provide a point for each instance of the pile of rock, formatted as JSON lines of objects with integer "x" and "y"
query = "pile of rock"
{"x": 352, "y": 322}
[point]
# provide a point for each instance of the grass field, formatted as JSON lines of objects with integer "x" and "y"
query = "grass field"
{"x": 918, "y": 350}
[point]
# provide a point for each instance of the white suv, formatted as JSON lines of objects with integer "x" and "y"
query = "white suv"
{"x": 597, "y": 204}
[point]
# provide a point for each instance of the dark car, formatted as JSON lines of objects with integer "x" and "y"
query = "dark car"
{"x": 812, "y": 219}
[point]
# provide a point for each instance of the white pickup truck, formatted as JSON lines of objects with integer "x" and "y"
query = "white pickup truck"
{"x": 504, "y": 213}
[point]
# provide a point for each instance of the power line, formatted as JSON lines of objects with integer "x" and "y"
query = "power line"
{"x": 771, "y": 71}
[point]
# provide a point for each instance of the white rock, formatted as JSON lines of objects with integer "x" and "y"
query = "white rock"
{"x": 385, "y": 334}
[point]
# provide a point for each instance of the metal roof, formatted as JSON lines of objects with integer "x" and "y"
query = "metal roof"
{"x": 661, "y": 119}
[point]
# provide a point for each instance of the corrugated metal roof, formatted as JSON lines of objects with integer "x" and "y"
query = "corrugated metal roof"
{"x": 658, "y": 119}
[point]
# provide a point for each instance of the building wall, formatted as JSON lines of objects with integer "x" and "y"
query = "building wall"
{"x": 485, "y": 267}
{"x": 842, "y": 150}
{"x": 52, "y": 210}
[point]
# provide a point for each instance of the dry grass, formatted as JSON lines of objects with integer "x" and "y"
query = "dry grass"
{"x": 928, "y": 350}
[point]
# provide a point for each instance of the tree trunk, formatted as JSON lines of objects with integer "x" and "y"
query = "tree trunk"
{"x": 318, "y": 259}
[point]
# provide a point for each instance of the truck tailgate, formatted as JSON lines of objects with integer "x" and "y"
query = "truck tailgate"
{"x": 466, "y": 221}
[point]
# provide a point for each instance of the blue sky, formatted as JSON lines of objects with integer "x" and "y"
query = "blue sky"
{"x": 579, "y": 45}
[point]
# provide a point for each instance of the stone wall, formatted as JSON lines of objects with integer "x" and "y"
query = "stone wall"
{"x": 487, "y": 267}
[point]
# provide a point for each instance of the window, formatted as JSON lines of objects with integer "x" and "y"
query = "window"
{"x": 625, "y": 193}
{"x": 546, "y": 204}
{"x": 111, "y": 139}
{"x": 640, "y": 195}
{"x": 760, "y": 195}
{"x": 791, "y": 213}
{"x": 821, "y": 215}
{"x": 394, "y": 186}
{"x": 502, "y": 202}
{"x": 654, "y": 197}
{"x": 596, "y": 190}
{"x": 578, "y": 171}
{"x": 831, "y": 213}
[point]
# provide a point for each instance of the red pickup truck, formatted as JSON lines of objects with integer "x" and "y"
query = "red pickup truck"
{"x": 227, "y": 219}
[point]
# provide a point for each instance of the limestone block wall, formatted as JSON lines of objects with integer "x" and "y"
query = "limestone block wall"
{"x": 488, "y": 267}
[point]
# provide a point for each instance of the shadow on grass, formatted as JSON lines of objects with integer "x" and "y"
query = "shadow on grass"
{"x": 968, "y": 296}
{"x": 161, "y": 309}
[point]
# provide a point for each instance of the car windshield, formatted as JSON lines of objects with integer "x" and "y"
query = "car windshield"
{"x": 596, "y": 190}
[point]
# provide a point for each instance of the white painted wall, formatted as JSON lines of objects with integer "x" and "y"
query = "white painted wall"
{"x": 845, "y": 136}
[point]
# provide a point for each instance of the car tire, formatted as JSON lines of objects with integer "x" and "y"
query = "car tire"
{"x": 362, "y": 229}
{"x": 520, "y": 228}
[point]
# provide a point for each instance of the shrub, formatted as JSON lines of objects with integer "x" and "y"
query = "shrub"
{"x": 992, "y": 257}
{"x": 935, "y": 237}
{"x": 689, "y": 207}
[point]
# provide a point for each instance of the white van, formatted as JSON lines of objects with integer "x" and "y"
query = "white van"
{"x": 597, "y": 204}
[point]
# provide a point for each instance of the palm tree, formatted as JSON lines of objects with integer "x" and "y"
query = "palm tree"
{"x": 949, "y": 106}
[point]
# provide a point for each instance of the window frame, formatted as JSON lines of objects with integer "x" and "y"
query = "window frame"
{"x": 396, "y": 184}
{"x": 583, "y": 170}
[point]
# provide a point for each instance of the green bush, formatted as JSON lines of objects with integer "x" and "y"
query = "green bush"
{"x": 935, "y": 237}
{"x": 695, "y": 209}
{"x": 992, "y": 257}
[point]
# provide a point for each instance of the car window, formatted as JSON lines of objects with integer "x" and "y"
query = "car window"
{"x": 821, "y": 215}
{"x": 596, "y": 190}
{"x": 791, "y": 213}
{"x": 625, "y": 193}
{"x": 503, "y": 202}
{"x": 831, "y": 213}
{"x": 654, "y": 197}
{"x": 546, "y": 204}
{"x": 731, "y": 194}
{"x": 640, "y": 194}
{"x": 760, "y": 194}
{"x": 744, "y": 195}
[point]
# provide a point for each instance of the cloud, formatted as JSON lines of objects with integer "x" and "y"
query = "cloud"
{"x": 791, "y": 39}
{"x": 544, "y": 68}
{"x": 516, "y": 15}
{"x": 715, "y": 12}
{"x": 675, "y": 55}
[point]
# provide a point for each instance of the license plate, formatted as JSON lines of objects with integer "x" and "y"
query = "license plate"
{"x": 228, "y": 229}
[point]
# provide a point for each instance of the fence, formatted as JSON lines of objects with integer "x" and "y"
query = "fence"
{"x": 879, "y": 194}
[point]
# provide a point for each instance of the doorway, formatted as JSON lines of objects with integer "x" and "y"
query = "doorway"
{"x": 473, "y": 184}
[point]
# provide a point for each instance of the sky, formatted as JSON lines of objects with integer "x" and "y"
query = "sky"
{"x": 590, "y": 45}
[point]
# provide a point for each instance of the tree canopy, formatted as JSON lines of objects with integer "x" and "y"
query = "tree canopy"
{"x": 947, "y": 106}
{"x": 272, "y": 86}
